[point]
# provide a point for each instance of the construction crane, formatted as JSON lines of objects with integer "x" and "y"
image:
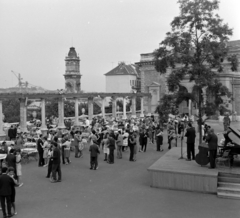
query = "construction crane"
{"x": 22, "y": 84}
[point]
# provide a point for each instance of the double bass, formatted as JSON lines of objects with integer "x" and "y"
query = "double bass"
{"x": 202, "y": 157}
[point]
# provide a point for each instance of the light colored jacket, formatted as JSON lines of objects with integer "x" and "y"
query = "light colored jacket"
{"x": 119, "y": 141}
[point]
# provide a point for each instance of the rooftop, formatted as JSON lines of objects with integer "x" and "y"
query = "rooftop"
{"x": 124, "y": 69}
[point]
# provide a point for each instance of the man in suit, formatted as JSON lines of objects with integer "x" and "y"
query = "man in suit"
{"x": 56, "y": 166}
{"x": 94, "y": 151}
{"x": 111, "y": 147}
{"x": 11, "y": 133}
{"x": 6, "y": 184}
{"x": 191, "y": 135}
{"x": 11, "y": 159}
{"x": 40, "y": 152}
{"x": 212, "y": 141}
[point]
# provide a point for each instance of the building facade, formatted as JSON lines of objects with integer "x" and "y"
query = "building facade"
{"x": 123, "y": 78}
{"x": 155, "y": 83}
{"x": 72, "y": 73}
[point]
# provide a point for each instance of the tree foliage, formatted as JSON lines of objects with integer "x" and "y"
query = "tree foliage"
{"x": 11, "y": 110}
{"x": 196, "y": 46}
{"x": 168, "y": 105}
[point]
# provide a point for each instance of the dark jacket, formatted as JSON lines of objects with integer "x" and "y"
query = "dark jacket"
{"x": 94, "y": 150}
{"x": 11, "y": 160}
{"x": 6, "y": 183}
{"x": 56, "y": 156}
{"x": 111, "y": 141}
{"x": 191, "y": 135}
{"x": 39, "y": 145}
{"x": 12, "y": 133}
{"x": 212, "y": 140}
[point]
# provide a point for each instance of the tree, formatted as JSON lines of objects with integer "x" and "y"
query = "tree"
{"x": 11, "y": 110}
{"x": 195, "y": 47}
{"x": 168, "y": 105}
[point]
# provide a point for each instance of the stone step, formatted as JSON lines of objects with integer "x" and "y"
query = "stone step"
{"x": 221, "y": 174}
{"x": 228, "y": 195}
{"x": 228, "y": 190}
{"x": 229, "y": 185}
{"x": 229, "y": 179}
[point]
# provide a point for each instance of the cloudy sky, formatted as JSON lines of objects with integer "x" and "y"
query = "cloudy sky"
{"x": 36, "y": 36}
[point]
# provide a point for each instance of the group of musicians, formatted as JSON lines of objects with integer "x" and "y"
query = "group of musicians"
{"x": 210, "y": 139}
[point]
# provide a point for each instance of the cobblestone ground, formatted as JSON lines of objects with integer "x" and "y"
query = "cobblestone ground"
{"x": 116, "y": 190}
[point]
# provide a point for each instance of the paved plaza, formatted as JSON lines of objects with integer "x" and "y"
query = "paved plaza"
{"x": 114, "y": 190}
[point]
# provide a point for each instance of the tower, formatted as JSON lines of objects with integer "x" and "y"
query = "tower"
{"x": 72, "y": 73}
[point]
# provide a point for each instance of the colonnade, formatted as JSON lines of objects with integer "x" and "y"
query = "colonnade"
{"x": 23, "y": 108}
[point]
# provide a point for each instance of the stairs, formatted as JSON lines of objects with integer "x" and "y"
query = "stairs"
{"x": 228, "y": 185}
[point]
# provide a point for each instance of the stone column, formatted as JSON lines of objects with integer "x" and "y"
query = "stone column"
{"x": 2, "y": 133}
{"x": 43, "y": 115}
{"x": 23, "y": 115}
{"x": 124, "y": 108}
{"x": 134, "y": 106}
{"x": 90, "y": 108}
{"x": 114, "y": 106}
{"x": 142, "y": 107}
{"x": 103, "y": 108}
{"x": 61, "y": 124}
{"x": 76, "y": 122}
{"x": 149, "y": 105}
{"x": 190, "y": 108}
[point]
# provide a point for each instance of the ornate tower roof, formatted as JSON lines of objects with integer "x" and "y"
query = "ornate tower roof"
{"x": 72, "y": 53}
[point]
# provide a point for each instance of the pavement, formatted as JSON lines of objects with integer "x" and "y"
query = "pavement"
{"x": 119, "y": 190}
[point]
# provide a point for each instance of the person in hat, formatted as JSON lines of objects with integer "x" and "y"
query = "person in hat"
{"x": 94, "y": 151}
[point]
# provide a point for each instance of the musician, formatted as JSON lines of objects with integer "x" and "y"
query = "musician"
{"x": 226, "y": 122}
{"x": 212, "y": 141}
{"x": 191, "y": 135}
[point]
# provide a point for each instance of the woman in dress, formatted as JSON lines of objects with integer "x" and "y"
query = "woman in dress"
{"x": 45, "y": 147}
{"x": 125, "y": 140}
{"x": 67, "y": 145}
{"x": 105, "y": 146}
{"x": 75, "y": 143}
{"x": 18, "y": 166}
{"x": 13, "y": 176}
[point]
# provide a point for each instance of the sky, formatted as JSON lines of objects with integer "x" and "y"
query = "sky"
{"x": 36, "y": 36}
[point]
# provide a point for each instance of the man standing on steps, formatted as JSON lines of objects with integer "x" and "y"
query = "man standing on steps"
{"x": 191, "y": 135}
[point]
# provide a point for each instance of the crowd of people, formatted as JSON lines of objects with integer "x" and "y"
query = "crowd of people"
{"x": 133, "y": 134}
{"x": 100, "y": 136}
